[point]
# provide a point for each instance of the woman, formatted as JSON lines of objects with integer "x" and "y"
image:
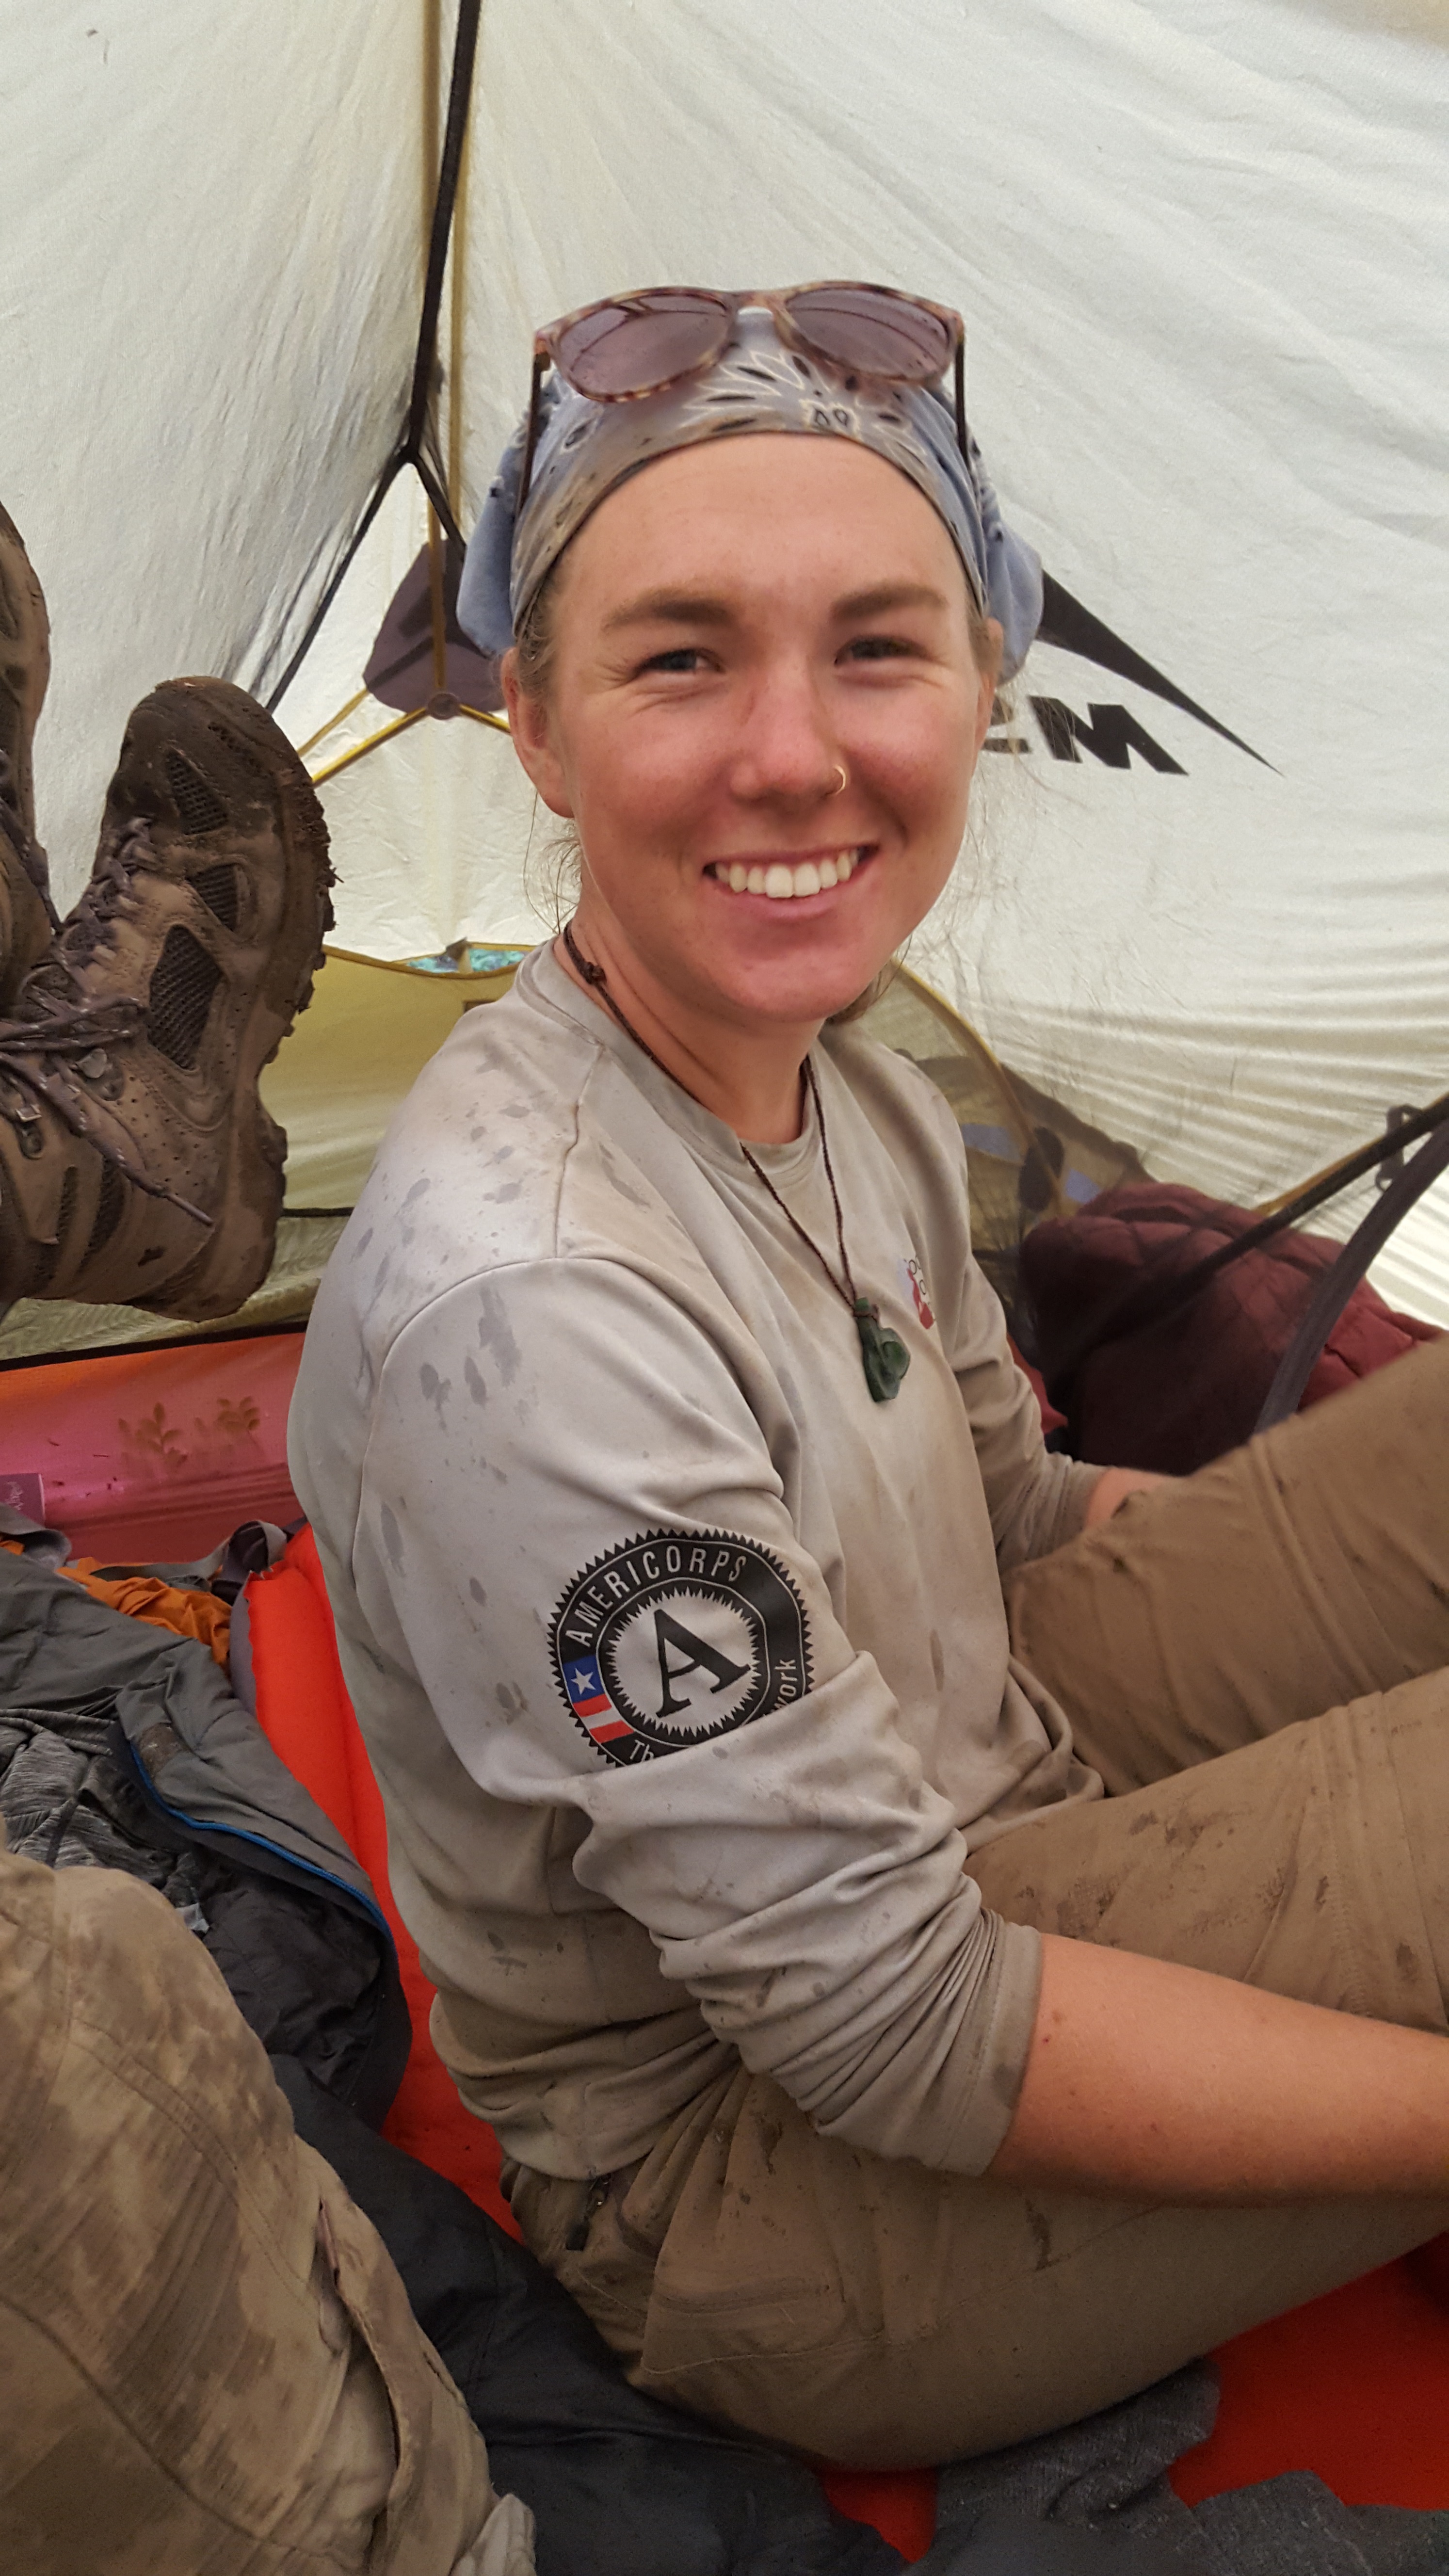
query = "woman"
{"x": 900, "y": 1998}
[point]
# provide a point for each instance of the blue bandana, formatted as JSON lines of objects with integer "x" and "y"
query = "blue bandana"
{"x": 585, "y": 449}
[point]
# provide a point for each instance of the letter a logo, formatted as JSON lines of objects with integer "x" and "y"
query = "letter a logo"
{"x": 698, "y": 1656}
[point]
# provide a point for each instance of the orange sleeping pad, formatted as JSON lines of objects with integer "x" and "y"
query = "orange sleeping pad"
{"x": 1354, "y": 2386}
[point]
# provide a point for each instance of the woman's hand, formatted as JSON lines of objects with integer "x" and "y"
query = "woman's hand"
{"x": 1112, "y": 1488}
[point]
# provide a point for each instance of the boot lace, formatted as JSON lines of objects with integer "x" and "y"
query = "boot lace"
{"x": 61, "y": 1027}
{"x": 111, "y": 890}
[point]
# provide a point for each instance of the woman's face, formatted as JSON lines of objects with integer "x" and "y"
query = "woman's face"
{"x": 734, "y": 628}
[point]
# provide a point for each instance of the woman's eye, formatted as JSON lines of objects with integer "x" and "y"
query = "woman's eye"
{"x": 877, "y": 648}
{"x": 683, "y": 658}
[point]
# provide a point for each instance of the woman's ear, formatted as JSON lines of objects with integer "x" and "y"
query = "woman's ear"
{"x": 528, "y": 722}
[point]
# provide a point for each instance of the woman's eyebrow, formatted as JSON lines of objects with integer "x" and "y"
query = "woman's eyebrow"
{"x": 887, "y": 596}
{"x": 672, "y": 608}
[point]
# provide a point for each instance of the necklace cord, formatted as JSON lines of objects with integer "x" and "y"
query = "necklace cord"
{"x": 883, "y": 1353}
{"x": 849, "y": 1291}
{"x": 597, "y": 981}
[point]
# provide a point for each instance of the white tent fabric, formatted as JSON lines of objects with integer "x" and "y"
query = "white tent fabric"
{"x": 211, "y": 245}
{"x": 1203, "y": 253}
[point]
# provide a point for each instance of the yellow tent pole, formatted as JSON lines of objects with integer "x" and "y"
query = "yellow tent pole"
{"x": 331, "y": 725}
{"x": 1270, "y": 1207}
{"x": 384, "y": 734}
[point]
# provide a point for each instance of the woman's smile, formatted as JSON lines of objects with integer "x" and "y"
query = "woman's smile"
{"x": 793, "y": 877}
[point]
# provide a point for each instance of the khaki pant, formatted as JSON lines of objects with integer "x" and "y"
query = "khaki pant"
{"x": 208, "y": 2366}
{"x": 877, "y": 2313}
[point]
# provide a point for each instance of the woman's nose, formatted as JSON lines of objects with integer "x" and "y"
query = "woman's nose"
{"x": 787, "y": 753}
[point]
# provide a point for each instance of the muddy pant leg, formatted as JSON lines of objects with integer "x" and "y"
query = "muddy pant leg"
{"x": 882, "y": 2314}
{"x": 1293, "y": 1575}
{"x": 207, "y": 2363}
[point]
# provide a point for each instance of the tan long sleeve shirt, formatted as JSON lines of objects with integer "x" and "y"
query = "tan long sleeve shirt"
{"x": 683, "y": 1664}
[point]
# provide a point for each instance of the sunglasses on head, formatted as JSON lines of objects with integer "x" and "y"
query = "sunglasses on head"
{"x": 633, "y": 345}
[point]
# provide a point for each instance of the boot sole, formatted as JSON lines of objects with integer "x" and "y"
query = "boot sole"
{"x": 221, "y": 1279}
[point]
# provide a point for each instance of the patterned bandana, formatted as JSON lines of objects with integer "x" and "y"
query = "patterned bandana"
{"x": 585, "y": 449}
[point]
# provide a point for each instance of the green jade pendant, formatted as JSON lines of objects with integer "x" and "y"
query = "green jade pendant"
{"x": 883, "y": 1354}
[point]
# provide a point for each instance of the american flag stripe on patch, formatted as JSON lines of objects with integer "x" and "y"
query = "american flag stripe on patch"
{"x": 585, "y": 1685}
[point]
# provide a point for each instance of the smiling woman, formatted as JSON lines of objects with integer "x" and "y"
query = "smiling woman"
{"x": 766, "y": 753}
{"x": 886, "y": 1904}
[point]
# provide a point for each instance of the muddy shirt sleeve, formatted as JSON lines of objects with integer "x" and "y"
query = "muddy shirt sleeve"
{"x": 572, "y": 1529}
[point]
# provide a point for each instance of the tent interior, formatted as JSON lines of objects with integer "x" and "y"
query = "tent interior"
{"x": 1202, "y": 264}
{"x": 255, "y": 395}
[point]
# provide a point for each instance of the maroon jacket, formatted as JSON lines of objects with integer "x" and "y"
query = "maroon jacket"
{"x": 1175, "y": 1391}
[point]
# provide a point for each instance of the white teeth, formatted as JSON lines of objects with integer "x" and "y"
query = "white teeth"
{"x": 781, "y": 881}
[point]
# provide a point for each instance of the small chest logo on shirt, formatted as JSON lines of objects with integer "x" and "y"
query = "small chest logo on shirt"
{"x": 913, "y": 1280}
{"x": 672, "y": 1639}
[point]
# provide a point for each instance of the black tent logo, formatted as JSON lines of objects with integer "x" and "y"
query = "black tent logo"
{"x": 1111, "y": 734}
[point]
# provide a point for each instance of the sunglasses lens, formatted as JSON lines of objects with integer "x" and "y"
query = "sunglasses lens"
{"x": 641, "y": 341}
{"x": 867, "y": 331}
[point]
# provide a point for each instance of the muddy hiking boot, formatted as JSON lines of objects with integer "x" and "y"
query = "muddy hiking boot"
{"x": 26, "y": 916}
{"x": 137, "y": 1164}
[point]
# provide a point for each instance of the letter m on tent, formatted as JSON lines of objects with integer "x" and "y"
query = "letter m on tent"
{"x": 1110, "y": 734}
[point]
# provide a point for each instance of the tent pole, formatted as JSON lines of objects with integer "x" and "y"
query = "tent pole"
{"x": 432, "y": 69}
{"x": 384, "y": 733}
{"x": 1151, "y": 1300}
{"x": 455, "y": 327}
{"x": 1341, "y": 1278}
{"x": 427, "y": 476}
{"x": 385, "y": 483}
{"x": 353, "y": 703}
{"x": 465, "y": 47}
{"x": 411, "y": 450}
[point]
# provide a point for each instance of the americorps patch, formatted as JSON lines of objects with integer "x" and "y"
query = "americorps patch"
{"x": 675, "y": 1637}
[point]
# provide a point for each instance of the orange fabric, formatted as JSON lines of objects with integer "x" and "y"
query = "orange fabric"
{"x": 304, "y": 1711}
{"x": 161, "y": 1605}
{"x": 1354, "y": 2386}
{"x": 898, "y": 2503}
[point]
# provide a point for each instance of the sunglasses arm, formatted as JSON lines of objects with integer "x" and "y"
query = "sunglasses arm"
{"x": 541, "y": 364}
{"x": 959, "y": 385}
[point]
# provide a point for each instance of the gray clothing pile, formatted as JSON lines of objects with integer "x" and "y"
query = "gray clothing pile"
{"x": 67, "y": 1801}
{"x": 122, "y": 1747}
{"x": 1107, "y": 2477}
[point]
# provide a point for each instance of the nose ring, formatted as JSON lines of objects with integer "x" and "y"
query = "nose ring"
{"x": 844, "y": 781}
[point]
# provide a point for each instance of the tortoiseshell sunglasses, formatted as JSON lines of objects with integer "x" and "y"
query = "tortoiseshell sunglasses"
{"x": 632, "y": 345}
